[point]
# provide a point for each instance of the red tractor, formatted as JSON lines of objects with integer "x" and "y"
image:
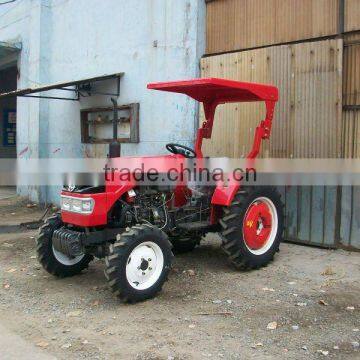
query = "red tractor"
{"x": 136, "y": 227}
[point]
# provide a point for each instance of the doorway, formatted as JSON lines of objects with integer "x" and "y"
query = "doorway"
{"x": 8, "y": 82}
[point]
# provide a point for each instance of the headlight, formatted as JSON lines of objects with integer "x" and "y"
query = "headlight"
{"x": 78, "y": 205}
{"x": 87, "y": 205}
{"x": 65, "y": 203}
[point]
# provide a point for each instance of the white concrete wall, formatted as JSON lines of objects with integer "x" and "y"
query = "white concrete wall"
{"x": 64, "y": 40}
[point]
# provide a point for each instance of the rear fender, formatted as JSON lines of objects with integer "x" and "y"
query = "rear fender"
{"x": 224, "y": 195}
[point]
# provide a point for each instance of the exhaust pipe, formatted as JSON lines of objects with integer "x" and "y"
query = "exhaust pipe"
{"x": 115, "y": 146}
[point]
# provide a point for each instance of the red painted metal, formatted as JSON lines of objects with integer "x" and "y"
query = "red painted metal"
{"x": 211, "y": 92}
{"x": 208, "y": 90}
{"x": 98, "y": 216}
{"x": 257, "y": 225}
{"x": 120, "y": 181}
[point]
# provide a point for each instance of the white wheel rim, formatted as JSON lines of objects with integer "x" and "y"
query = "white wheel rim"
{"x": 274, "y": 227}
{"x": 66, "y": 260}
{"x": 144, "y": 265}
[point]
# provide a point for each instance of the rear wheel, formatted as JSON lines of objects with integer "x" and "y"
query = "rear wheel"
{"x": 253, "y": 227}
{"x": 138, "y": 263}
{"x": 53, "y": 261}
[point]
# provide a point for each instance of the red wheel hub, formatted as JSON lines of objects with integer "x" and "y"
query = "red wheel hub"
{"x": 257, "y": 225}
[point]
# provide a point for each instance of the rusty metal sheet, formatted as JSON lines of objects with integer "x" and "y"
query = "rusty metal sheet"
{"x": 308, "y": 116}
{"x": 351, "y": 83}
{"x": 243, "y": 24}
{"x": 352, "y": 15}
{"x": 351, "y": 133}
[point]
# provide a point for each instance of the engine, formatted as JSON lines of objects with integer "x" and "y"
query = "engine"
{"x": 156, "y": 206}
{"x": 152, "y": 206}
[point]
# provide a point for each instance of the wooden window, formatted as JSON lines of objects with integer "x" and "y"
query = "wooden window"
{"x": 97, "y": 124}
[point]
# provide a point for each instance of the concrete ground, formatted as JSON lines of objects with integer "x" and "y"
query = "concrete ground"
{"x": 15, "y": 347}
{"x": 7, "y": 192}
{"x": 303, "y": 305}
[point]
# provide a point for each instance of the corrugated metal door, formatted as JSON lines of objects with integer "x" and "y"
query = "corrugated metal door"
{"x": 311, "y": 215}
{"x": 326, "y": 216}
{"x": 350, "y": 217}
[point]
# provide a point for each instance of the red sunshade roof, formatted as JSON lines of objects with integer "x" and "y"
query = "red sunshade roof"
{"x": 221, "y": 90}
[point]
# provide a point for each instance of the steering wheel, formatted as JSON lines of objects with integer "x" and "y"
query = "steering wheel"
{"x": 181, "y": 149}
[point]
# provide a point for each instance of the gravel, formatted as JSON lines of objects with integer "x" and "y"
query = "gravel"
{"x": 217, "y": 312}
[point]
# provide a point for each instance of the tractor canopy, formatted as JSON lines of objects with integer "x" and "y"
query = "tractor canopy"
{"x": 211, "y": 90}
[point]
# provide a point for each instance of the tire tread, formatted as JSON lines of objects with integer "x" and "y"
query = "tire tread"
{"x": 118, "y": 256}
{"x": 231, "y": 234}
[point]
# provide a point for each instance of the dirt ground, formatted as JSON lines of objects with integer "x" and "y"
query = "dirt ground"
{"x": 309, "y": 297}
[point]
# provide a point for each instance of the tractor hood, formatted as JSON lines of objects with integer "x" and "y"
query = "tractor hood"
{"x": 144, "y": 164}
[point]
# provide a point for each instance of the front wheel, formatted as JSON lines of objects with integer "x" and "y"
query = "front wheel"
{"x": 253, "y": 227}
{"x": 138, "y": 263}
